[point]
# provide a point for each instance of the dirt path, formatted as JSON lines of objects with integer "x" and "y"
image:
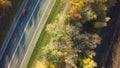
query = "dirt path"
{"x": 116, "y": 48}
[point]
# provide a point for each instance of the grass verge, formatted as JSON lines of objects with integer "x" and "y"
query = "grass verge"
{"x": 44, "y": 37}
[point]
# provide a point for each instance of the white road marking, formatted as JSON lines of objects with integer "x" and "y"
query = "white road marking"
{"x": 36, "y": 31}
{"x": 6, "y": 42}
{"x": 23, "y": 34}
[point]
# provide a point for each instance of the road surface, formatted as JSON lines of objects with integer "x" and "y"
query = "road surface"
{"x": 24, "y": 37}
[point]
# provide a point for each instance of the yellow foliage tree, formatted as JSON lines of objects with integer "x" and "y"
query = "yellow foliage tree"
{"x": 5, "y": 4}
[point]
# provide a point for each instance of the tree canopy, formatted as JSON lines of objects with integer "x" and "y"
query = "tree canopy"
{"x": 71, "y": 43}
{"x": 4, "y": 5}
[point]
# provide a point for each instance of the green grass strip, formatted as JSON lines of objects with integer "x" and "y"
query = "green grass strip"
{"x": 44, "y": 37}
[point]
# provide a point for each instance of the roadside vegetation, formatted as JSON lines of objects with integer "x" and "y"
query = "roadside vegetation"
{"x": 44, "y": 37}
{"x": 71, "y": 34}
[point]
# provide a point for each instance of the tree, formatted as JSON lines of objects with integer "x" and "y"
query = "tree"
{"x": 74, "y": 14}
{"x": 69, "y": 44}
{"x": 4, "y": 5}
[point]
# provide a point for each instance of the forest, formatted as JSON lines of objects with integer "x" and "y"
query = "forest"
{"x": 74, "y": 34}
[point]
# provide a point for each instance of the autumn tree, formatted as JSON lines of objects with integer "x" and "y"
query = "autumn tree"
{"x": 70, "y": 43}
{"x": 4, "y": 5}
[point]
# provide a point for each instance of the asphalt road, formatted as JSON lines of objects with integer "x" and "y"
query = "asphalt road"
{"x": 25, "y": 34}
